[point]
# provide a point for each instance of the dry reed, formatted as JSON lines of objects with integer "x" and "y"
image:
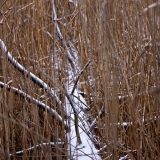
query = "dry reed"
{"x": 119, "y": 38}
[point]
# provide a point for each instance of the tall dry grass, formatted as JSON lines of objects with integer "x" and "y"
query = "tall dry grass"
{"x": 121, "y": 84}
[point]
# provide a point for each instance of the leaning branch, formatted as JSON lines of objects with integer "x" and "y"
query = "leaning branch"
{"x": 151, "y": 6}
{"x": 33, "y": 77}
{"x": 70, "y": 99}
{"x": 38, "y": 103}
{"x": 75, "y": 84}
{"x": 76, "y": 115}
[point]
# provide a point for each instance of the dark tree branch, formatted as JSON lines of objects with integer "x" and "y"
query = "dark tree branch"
{"x": 81, "y": 72}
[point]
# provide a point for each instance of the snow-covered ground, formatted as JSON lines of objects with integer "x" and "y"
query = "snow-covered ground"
{"x": 86, "y": 150}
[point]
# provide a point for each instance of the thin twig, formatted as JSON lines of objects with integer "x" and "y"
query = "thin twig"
{"x": 95, "y": 120}
{"x": 81, "y": 72}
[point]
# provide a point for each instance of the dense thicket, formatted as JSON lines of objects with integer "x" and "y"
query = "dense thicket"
{"x": 54, "y": 39}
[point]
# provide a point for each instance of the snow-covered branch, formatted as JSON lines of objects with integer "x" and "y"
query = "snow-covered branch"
{"x": 75, "y": 114}
{"x": 69, "y": 56}
{"x": 18, "y": 153}
{"x": 33, "y": 77}
{"x": 151, "y": 6}
{"x": 38, "y": 103}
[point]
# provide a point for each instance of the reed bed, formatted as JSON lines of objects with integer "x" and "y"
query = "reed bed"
{"x": 118, "y": 40}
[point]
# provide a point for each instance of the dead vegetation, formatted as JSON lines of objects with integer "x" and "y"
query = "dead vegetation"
{"x": 120, "y": 41}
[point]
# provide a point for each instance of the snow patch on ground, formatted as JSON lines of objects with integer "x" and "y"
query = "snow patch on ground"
{"x": 86, "y": 150}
